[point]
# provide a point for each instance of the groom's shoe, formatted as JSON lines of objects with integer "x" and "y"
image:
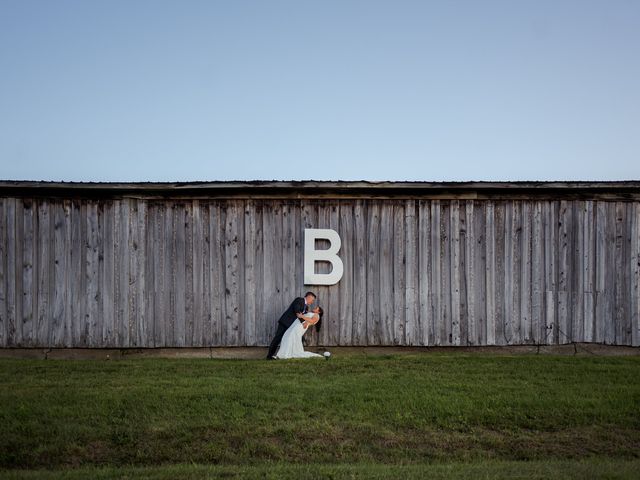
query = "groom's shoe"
{"x": 270, "y": 358}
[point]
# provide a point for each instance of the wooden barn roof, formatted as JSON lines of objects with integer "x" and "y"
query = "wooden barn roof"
{"x": 618, "y": 190}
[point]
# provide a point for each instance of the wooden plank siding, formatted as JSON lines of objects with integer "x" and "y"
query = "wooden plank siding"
{"x": 140, "y": 272}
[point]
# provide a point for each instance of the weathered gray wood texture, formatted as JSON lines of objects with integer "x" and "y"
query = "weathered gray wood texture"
{"x": 140, "y": 272}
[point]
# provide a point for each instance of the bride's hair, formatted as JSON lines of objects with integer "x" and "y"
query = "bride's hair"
{"x": 320, "y": 313}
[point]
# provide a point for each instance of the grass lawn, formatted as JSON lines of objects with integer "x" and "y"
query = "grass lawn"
{"x": 409, "y": 416}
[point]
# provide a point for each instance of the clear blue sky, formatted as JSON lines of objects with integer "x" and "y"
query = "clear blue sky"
{"x": 184, "y": 90}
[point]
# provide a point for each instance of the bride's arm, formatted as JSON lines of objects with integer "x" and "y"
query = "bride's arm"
{"x": 311, "y": 321}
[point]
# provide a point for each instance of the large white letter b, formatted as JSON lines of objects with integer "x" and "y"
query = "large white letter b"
{"x": 311, "y": 256}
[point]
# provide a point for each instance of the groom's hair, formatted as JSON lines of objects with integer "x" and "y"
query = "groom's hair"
{"x": 310, "y": 293}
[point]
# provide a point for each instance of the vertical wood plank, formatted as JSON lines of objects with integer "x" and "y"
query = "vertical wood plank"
{"x": 250, "y": 243}
{"x": 479, "y": 271}
{"x": 189, "y": 293}
{"x": 564, "y": 239}
{"x": 333, "y": 320}
{"x": 600, "y": 271}
{"x": 232, "y": 281}
{"x": 373, "y": 274}
{"x": 3, "y": 272}
{"x": 261, "y": 320}
{"x": 463, "y": 306}
{"x": 276, "y": 262}
{"x": 19, "y": 270}
{"x": 471, "y": 285}
{"x": 577, "y": 272}
{"x": 588, "y": 272}
{"x": 346, "y": 286}
{"x": 98, "y": 324}
{"x": 211, "y": 275}
{"x": 159, "y": 275}
{"x": 625, "y": 286}
{"x": 619, "y": 274}
{"x": 517, "y": 251}
{"x": 217, "y": 273}
{"x": 635, "y": 274}
{"x": 425, "y": 325}
{"x": 610, "y": 274}
{"x": 490, "y": 278}
{"x": 551, "y": 248}
{"x": 282, "y": 298}
{"x": 108, "y": 279}
{"x": 288, "y": 253}
{"x": 455, "y": 272}
{"x": 500, "y": 273}
{"x": 170, "y": 233}
{"x": 398, "y": 271}
{"x": 627, "y": 334}
{"x": 75, "y": 253}
{"x": 180, "y": 219}
{"x": 131, "y": 264}
{"x": 537, "y": 275}
{"x": 386, "y": 292}
{"x": 92, "y": 292}
{"x": 360, "y": 280}
{"x": 150, "y": 252}
{"x": 510, "y": 240}
{"x": 298, "y": 238}
{"x": 436, "y": 276}
{"x": 205, "y": 252}
{"x": 525, "y": 326}
{"x": 446, "y": 336}
{"x": 11, "y": 276}
{"x": 123, "y": 272}
{"x": 94, "y": 273}
{"x": 28, "y": 266}
{"x": 41, "y": 285}
{"x": 141, "y": 321}
{"x": 412, "y": 297}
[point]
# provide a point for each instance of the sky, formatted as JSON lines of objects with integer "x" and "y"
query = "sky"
{"x": 186, "y": 90}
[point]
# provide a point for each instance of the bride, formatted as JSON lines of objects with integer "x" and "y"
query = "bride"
{"x": 291, "y": 344}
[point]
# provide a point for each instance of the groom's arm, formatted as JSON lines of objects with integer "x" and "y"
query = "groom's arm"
{"x": 299, "y": 308}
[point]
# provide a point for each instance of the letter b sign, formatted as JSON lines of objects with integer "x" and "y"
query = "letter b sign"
{"x": 311, "y": 256}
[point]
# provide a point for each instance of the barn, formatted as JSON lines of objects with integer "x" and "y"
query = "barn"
{"x": 213, "y": 264}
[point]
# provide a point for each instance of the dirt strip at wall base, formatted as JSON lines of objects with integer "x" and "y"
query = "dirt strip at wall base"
{"x": 582, "y": 349}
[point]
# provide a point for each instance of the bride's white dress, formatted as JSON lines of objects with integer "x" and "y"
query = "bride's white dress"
{"x": 291, "y": 343}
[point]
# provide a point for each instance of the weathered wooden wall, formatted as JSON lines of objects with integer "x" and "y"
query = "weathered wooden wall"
{"x": 158, "y": 273}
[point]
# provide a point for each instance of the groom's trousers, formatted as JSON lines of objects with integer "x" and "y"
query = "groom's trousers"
{"x": 273, "y": 348}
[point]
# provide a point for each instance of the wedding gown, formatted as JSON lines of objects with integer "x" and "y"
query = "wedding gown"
{"x": 291, "y": 343}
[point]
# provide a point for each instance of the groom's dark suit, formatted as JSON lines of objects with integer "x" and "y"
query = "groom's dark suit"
{"x": 285, "y": 321}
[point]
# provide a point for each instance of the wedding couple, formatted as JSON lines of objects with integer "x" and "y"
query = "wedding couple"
{"x": 292, "y": 326}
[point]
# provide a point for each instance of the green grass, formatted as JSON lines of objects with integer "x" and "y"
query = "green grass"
{"x": 531, "y": 470}
{"x": 352, "y": 417}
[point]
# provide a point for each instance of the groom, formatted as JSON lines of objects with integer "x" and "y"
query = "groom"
{"x": 298, "y": 307}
